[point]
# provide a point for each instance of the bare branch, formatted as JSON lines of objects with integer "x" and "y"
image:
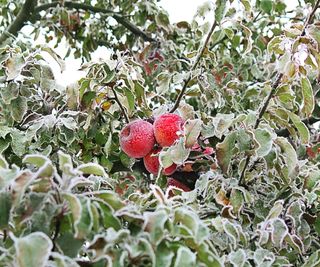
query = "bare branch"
{"x": 30, "y": 9}
{"x": 120, "y": 105}
{"x": 187, "y": 80}
{"x": 117, "y": 16}
{"x": 23, "y": 16}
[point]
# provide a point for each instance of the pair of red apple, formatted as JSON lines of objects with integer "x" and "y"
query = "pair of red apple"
{"x": 138, "y": 139}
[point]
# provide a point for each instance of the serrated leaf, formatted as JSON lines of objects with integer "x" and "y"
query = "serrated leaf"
{"x": 192, "y": 131}
{"x": 308, "y": 98}
{"x": 224, "y": 151}
{"x": 28, "y": 252}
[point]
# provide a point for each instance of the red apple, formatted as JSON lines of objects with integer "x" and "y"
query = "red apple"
{"x": 152, "y": 164}
{"x": 166, "y": 129}
{"x": 137, "y": 138}
{"x": 175, "y": 183}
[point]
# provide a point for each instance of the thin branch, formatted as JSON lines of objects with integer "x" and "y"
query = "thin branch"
{"x": 257, "y": 16}
{"x": 273, "y": 89}
{"x": 187, "y": 80}
{"x": 118, "y": 17}
{"x": 120, "y": 105}
{"x": 310, "y": 17}
{"x": 266, "y": 103}
{"x": 30, "y": 9}
{"x": 23, "y": 16}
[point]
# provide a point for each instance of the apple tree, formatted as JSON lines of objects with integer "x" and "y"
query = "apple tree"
{"x": 192, "y": 144}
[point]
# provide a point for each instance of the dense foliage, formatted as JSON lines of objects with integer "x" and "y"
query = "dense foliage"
{"x": 244, "y": 76}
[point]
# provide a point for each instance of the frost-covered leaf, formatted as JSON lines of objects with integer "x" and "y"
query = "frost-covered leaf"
{"x": 290, "y": 156}
{"x": 19, "y": 108}
{"x": 92, "y": 168}
{"x": 185, "y": 257}
{"x": 301, "y": 127}
{"x": 308, "y": 97}
{"x": 5, "y": 209}
{"x": 264, "y": 139}
{"x": 238, "y": 258}
{"x": 192, "y": 131}
{"x": 32, "y": 250}
{"x": 154, "y": 223}
{"x": 224, "y": 151}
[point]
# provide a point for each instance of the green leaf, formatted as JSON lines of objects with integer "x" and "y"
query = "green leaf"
{"x": 192, "y": 131}
{"x": 301, "y": 127}
{"x": 5, "y": 209}
{"x": 130, "y": 98}
{"x": 266, "y": 6}
{"x": 18, "y": 142}
{"x": 164, "y": 255}
{"x": 154, "y": 223}
{"x": 264, "y": 138}
{"x": 238, "y": 258}
{"x": 110, "y": 198}
{"x": 3, "y": 163}
{"x": 263, "y": 257}
{"x": 247, "y": 5}
{"x": 313, "y": 260}
{"x": 19, "y": 108}
{"x": 308, "y": 98}
{"x": 220, "y": 9}
{"x": 92, "y": 168}
{"x": 178, "y": 154}
{"x": 312, "y": 179}
{"x": 45, "y": 167}
{"x": 32, "y": 250}
{"x": 224, "y": 151}
{"x": 65, "y": 162}
{"x": 69, "y": 244}
{"x": 185, "y": 257}
{"x": 10, "y": 92}
{"x": 290, "y": 156}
